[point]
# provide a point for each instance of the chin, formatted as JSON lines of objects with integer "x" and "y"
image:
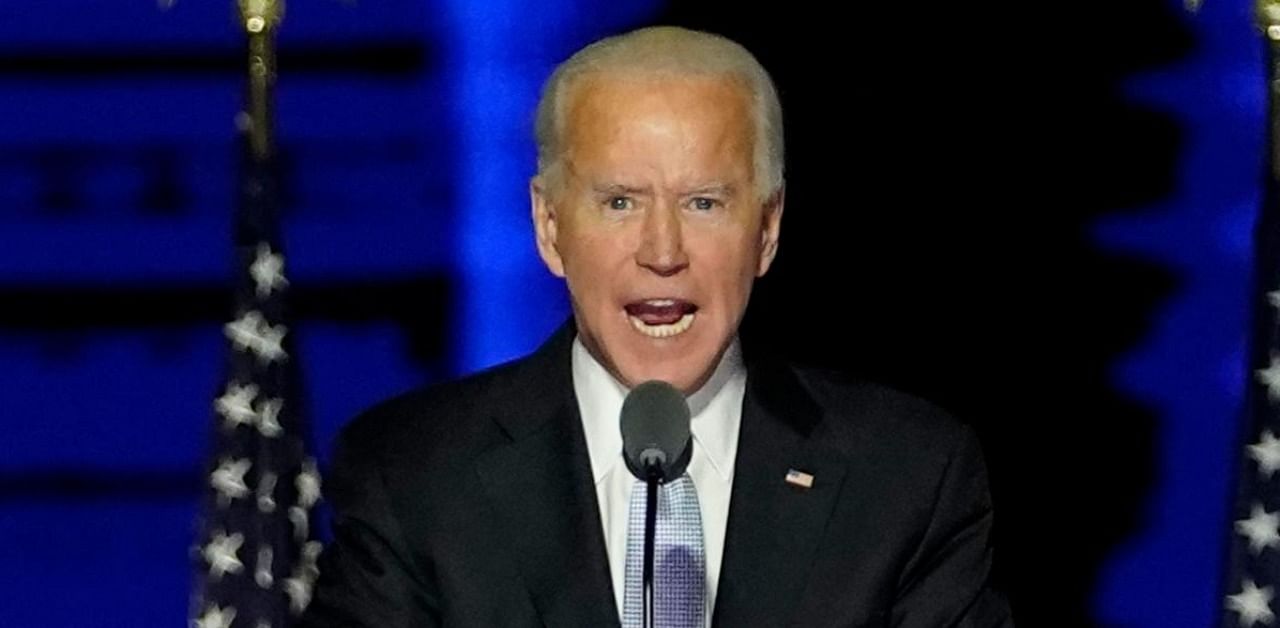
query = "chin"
{"x": 686, "y": 374}
{"x": 684, "y": 361}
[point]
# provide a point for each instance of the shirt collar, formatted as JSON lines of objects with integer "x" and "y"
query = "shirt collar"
{"x": 716, "y": 409}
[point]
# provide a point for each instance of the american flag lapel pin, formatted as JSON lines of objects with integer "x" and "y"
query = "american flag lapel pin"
{"x": 799, "y": 479}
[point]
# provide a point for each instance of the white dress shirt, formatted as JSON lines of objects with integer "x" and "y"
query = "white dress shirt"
{"x": 717, "y": 415}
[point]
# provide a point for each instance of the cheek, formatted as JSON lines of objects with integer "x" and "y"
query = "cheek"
{"x": 592, "y": 270}
{"x": 593, "y": 242}
{"x": 730, "y": 264}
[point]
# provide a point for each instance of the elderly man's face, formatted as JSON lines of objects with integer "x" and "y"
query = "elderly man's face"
{"x": 657, "y": 224}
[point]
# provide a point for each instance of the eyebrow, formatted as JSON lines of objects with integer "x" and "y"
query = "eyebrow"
{"x": 617, "y": 188}
{"x": 722, "y": 189}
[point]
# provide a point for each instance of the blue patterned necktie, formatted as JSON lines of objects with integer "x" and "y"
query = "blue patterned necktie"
{"x": 679, "y": 562}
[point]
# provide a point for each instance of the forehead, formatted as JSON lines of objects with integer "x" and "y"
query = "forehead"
{"x": 697, "y": 113}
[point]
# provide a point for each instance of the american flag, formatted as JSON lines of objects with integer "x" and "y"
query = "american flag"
{"x": 1253, "y": 568}
{"x": 256, "y": 553}
{"x": 799, "y": 478}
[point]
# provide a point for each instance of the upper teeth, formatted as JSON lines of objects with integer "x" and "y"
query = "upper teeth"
{"x": 660, "y": 302}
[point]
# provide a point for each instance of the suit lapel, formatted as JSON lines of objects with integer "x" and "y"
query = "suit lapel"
{"x": 541, "y": 487}
{"x": 774, "y": 527}
{"x": 540, "y": 483}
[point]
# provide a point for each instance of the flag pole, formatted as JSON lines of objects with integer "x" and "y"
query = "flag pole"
{"x": 260, "y": 19}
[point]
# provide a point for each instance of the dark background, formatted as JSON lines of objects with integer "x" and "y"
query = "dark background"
{"x": 1037, "y": 216}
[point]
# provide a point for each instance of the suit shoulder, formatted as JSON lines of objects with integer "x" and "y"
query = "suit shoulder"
{"x": 437, "y": 416}
{"x": 913, "y": 444}
{"x": 887, "y": 414}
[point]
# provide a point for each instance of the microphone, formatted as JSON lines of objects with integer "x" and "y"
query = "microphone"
{"x": 656, "y": 446}
{"x": 656, "y": 443}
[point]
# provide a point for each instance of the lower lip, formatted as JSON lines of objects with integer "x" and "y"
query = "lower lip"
{"x": 663, "y": 331}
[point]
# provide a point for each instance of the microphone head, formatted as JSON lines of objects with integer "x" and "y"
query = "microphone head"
{"x": 655, "y": 431}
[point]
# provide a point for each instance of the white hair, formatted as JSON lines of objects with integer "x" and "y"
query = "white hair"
{"x": 674, "y": 51}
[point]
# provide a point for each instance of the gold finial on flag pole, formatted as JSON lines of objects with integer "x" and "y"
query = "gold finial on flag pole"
{"x": 261, "y": 15}
{"x": 1268, "y": 15}
{"x": 260, "y": 19}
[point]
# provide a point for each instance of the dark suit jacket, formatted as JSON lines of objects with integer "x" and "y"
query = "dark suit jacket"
{"x": 472, "y": 504}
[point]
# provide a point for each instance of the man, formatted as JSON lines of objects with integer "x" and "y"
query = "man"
{"x": 502, "y": 499}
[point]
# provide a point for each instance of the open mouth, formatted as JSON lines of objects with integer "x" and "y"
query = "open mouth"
{"x": 661, "y": 318}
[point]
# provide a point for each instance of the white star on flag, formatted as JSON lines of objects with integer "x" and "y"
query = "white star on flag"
{"x": 1253, "y": 604}
{"x": 270, "y": 345}
{"x": 301, "y": 523}
{"x": 1267, "y": 452}
{"x": 262, "y": 573}
{"x": 308, "y": 484}
{"x": 228, "y": 480}
{"x": 1270, "y": 376}
{"x": 216, "y": 617}
{"x": 268, "y": 417}
{"x": 267, "y": 271}
{"x": 298, "y": 588}
{"x": 236, "y": 404}
{"x": 267, "y": 485}
{"x": 1262, "y": 528}
{"x": 1274, "y": 299}
{"x": 221, "y": 554}
{"x": 309, "y": 555}
{"x": 244, "y": 331}
{"x": 251, "y": 331}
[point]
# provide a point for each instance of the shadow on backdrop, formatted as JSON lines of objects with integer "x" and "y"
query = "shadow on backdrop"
{"x": 943, "y": 169}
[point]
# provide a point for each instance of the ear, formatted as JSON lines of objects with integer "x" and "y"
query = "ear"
{"x": 544, "y": 226}
{"x": 771, "y": 229}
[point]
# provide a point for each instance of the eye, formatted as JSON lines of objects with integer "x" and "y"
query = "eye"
{"x": 702, "y": 203}
{"x": 620, "y": 203}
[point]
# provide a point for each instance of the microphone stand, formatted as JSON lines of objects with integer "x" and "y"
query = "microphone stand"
{"x": 653, "y": 474}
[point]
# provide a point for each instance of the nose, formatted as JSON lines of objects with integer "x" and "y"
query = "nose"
{"x": 662, "y": 246}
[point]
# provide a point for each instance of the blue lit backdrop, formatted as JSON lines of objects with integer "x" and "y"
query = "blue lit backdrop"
{"x": 405, "y": 127}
